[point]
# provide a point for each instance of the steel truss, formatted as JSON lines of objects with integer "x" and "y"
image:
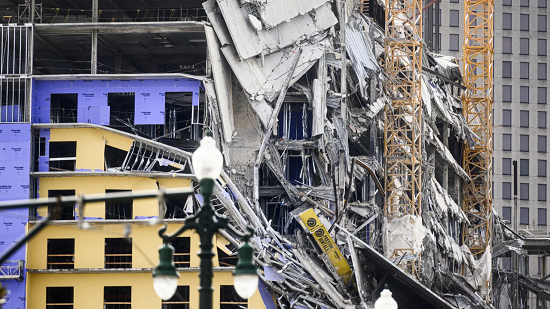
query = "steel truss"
{"x": 403, "y": 121}
{"x": 478, "y": 112}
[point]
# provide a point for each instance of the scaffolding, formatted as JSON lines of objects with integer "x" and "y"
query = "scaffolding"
{"x": 478, "y": 107}
{"x": 403, "y": 121}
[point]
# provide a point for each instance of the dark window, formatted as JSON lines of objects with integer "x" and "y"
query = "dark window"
{"x": 454, "y": 19}
{"x": 454, "y": 42}
{"x": 524, "y": 167}
{"x": 541, "y": 95}
{"x": 63, "y": 108}
{"x": 227, "y": 260}
{"x": 542, "y": 47}
{"x": 524, "y": 22}
{"x": 541, "y": 119}
{"x": 177, "y": 208}
{"x": 67, "y": 211}
{"x": 506, "y": 142}
{"x": 524, "y": 94}
{"x": 182, "y": 251}
{"x": 117, "y": 297}
{"x": 507, "y": 2}
{"x": 122, "y": 108}
{"x": 180, "y": 300}
{"x": 524, "y": 70}
{"x": 62, "y": 156}
{"x": 506, "y": 21}
{"x": 229, "y": 299}
{"x": 454, "y": 1}
{"x": 542, "y": 3}
{"x": 541, "y": 71}
{"x": 506, "y": 93}
{"x": 524, "y": 3}
{"x": 60, "y": 253}
{"x": 506, "y": 45}
{"x": 524, "y": 119}
{"x": 507, "y": 263}
{"x": 524, "y": 46}
{"x": 507, "y": 213}
{"x": 506, "y": 69}
{"x": 524, "y": 215}
{"x": 541, "y": 23}
{"x": 524, "y": 142}
{"x": 541, "y": 196}
{"x": 524, "y": 191}
{"x": 541, "y": 168}
{"x": 506, "y": 117}
{"x": 542, "y": 215}
{"x": 42, "y": 146}
{"x": 114, "y": 157}
{"x": 118, "y": 253}
{"x": 542, "y": 143}
{"x": 118, "y": 210}
{"x": 506, "y": 166}
{"x": 506, "y": 190}
{"x": 59, "y": 297}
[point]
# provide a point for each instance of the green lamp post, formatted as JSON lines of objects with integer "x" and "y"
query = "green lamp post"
{"x": 207, "y": 164}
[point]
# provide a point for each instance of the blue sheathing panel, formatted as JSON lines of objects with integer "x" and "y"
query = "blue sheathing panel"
{"x": 93, "y": 98}
{"x": 10, "y": 113}
{"x": 15, "y": 156}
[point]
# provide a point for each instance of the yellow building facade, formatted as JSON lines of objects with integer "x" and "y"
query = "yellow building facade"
{"x": 109, "y": 263}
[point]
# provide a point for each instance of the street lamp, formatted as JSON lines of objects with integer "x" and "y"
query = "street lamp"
{"x": 207, "y": 164}
{"x": 385, "y": 301}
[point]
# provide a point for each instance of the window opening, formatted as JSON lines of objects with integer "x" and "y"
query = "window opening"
{"x": 177, "y": 208}
{"x": 117, "y": 297}
{"x": 180, "y": 300}
{"x": 63, "y": 108}
{"x": 183, "y": 121}
{"x": 118, "y": 210}
{"x": 295, "y": 122}
{"x": 182, "y": 251}
{"x": 122, "y": 107}
{"x": 118, "y": 253}
{"x": 67, "y": 211}
{"x": 114, "y": 158}
{"x": 229, "y": 299}
{"x": 227, "y": 260}
{"x": 59, "y": 297}
{"x": 60, "y": 254}
{"x": 62, "y": 156}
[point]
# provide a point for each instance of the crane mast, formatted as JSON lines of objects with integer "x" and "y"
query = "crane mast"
{"x": 403, "y": 121}
{"x": 477, "y": 109}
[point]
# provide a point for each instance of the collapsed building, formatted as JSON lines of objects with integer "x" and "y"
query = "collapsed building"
{"x": 296, "y": 96}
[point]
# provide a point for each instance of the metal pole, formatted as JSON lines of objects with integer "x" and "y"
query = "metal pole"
{"x": 206, "y": 254}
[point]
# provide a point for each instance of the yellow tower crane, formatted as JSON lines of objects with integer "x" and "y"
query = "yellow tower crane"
{"x": 478, "y": 112}
{"x": 403, "y": 121}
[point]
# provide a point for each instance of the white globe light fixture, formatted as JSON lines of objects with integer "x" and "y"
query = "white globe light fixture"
{"x": 385, "y": 301}
{"x": 207, "y": 160}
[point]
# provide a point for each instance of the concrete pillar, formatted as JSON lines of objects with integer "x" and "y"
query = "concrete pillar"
{"x": 95, "y": 17}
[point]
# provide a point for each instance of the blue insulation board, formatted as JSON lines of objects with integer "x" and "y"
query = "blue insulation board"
{"x": 15, "y": 158}
{"x": 93, "y": 98}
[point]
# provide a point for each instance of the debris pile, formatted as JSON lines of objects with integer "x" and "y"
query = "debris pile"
{"x": 307, "y": 169}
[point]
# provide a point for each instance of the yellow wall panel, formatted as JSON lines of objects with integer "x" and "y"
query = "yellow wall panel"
{"x": 89, "y": 289}
{"x": 97, "y": 184}
{"x": 90, "y": 145}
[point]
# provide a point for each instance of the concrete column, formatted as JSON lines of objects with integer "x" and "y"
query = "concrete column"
{"x": 95, "y": 17}
{"x": 436, "y": 42}
{"x": 31, "y": 11}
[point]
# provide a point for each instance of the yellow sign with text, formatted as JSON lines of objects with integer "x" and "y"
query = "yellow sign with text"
{"x": 320, "y": 233}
